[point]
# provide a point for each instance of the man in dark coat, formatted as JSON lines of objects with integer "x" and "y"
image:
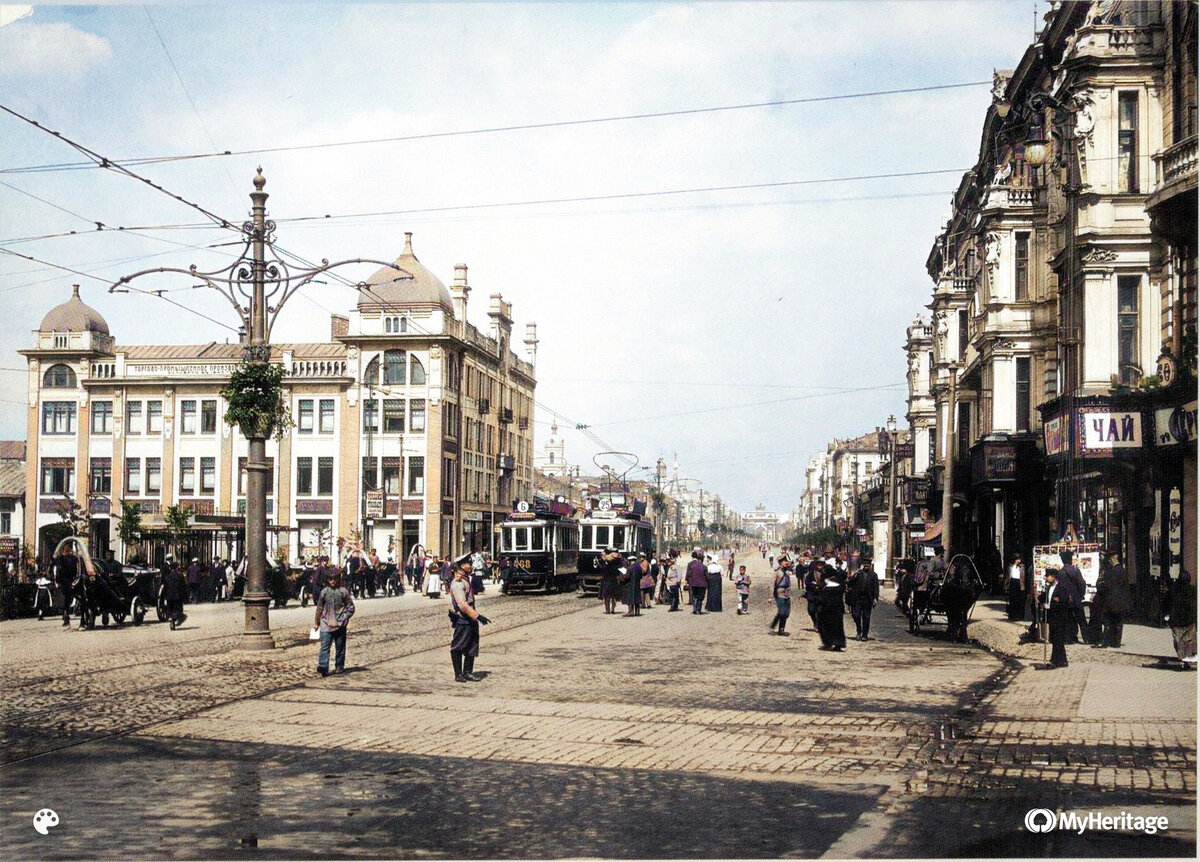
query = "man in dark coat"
{"x": 1058, "y": 599}
{"x": 862, "y": 594}
{"x": 1070, "y": 572}
{"x": 830, "y": 624}
{"x": 174, "y": 590}
{"x": 697, "y": 581}
{"x": 1115, "y": 598}
{"x": 633, "y": 589}
{"x": 66, "y": 570}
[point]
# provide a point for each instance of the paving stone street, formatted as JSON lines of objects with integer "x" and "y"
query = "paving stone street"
{"x": 664, "y": 736}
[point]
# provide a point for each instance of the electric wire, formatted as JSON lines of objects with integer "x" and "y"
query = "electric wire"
{"x": 146, "y": 160}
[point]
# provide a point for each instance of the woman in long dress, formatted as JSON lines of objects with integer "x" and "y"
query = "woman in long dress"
{"x": 712, "y": 600}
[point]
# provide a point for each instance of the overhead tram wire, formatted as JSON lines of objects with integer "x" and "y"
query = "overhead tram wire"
{"x": 107, "y": 163}
{"x": 512, "y": 128}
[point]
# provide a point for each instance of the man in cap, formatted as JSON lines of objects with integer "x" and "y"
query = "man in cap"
{"x": 465, "y": 622}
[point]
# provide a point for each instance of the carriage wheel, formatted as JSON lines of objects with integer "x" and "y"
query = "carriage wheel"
{"x": 87, "y": 617}
{"x": 304, "y": 593}
{"x": 160, "y": 610}
{"x": 119, "y": 617}
{"x": 138, "y": 611}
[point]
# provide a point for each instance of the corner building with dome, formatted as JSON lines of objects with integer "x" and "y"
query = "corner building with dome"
{"x": 412, "y": 426}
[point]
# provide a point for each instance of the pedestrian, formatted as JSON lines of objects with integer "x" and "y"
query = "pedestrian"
{"x": 697, "y": 581}
{"x": 712, "y": 600}
{"x": 1058, "y": 599}
{"x": 1182, "y": 618}
{"x": 647, "y": 580}
{"x": 433, "y": 578}
{"x": 673, "y": 579}
{"x": 66, "y": 572}
{"x": 1114, "y": 597}
{"x": 830, "y": 616}
{"x": 174, "y": 591}
{"x": 1077, "y": 624}
{"x": 465, "y": 622}
{"x": 193, "y": 581}
{"x": 633, "y": 586}
{"x": 1016, "y": 589}
{"x": 478, "y": 568}
{"x": 610, "y": 579}
{"x": 221, "y": 580}
{"x": 781, "y": 591}
{"x": 335, "y": 607}
{"x": 41, "y": 598}
{"x": 742, "y": 585}
{"x": 862, "y": 594}
{"x": 813, "y": 582}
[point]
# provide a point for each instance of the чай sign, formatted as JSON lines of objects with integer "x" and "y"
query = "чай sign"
{"x": 1102, "y": 432}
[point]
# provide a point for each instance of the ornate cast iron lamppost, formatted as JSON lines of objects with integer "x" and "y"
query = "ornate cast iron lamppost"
{"x": 257, "y": 288}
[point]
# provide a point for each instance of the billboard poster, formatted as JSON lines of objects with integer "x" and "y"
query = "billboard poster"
{"x": 1087, "y": 557}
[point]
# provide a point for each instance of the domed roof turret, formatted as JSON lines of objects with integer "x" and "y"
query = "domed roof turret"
{"x": 389, "y": 289}
{"x": 74, "y": 315}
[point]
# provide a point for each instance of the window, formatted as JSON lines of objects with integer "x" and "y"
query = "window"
{"x": 393, "y": 416}
{"x": 153, "y": 417}
{"x": 187, "y": 476}
{"x": 371, "y": 375}
{"x": 449, "y": 483}
{"x": 58, "y": 377}
{"x": 304, "y": 477}
{"x": 153, "y": 475}
{"x": 187, "y": 416}
{"x": 326, "y": 416}
{"x": 962, "y": 334}
{"x": 208, "y": 417}
{"x": 58, "y": 417}
{"x": 243, "y": 481}
{"x": 394, "y": 325}
{"x": 416, "y": 475}
{"x": 133, "y": 476}
{"x": 1127, "y": 155}
{"x": 370, "y": 415}
{"x": 325, "y": 477}
{"x": 208, "y": 475}
{"x": 5, "y": 522}
{"x": 964, "y": 429}
{"x": 1021, "y": 264}
{"x": 416, "y": 411}
{"x": 391, "y": 477}
{"x": 102, "y": 417}
{"x": 100, "y": 473}
{"x": 304, "y": 416}
{"x": 370, "y": 474}
{"x": 618, "y": 540}
{"x": 416, "y": 372}
{"x": 1130, "y": 369}
{"x": 58, "y": 476}
{"x": 393, "y": 366}
{"x": 133, "y": 417}
{"x": 1022, "y": 394}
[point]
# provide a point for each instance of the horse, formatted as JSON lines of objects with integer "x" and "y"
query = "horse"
{"x": 958, "y": 595}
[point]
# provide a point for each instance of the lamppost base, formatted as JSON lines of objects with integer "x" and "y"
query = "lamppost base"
{"x": 256, "y": 635}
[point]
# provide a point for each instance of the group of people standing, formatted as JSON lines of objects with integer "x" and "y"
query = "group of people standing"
{"x": 829, "y": 590}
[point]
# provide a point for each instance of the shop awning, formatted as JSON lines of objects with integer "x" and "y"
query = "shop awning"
{"x": 932, "y": 531}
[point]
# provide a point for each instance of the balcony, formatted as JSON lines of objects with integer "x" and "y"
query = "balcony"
{"x": 1172, "y": 203}
{"x": 1176, "y": 164}
{"x": 506, "y": 414}
{"x": 1011, "y": 197}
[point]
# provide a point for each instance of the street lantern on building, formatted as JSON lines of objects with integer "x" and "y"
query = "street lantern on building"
{"x": 257, "y": 287}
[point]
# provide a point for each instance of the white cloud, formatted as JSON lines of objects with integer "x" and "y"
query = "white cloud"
{"x": 11, "y": 13}
{"x": 46, "y": 52}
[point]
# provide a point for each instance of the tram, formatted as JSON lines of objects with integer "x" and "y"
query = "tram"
{"x": 612, "y": 523}
{"x": 541, "y": 542}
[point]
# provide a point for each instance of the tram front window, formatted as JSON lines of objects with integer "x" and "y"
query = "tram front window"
{"x": 585, "y": 539}
{"x": 619, "y": 538}
{"x": 520, "y": 539}
{"x": 537, "y": 539}
{"x": 602, "y": 538}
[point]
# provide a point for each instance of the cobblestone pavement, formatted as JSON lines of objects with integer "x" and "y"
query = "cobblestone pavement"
{"x": 590, "y": 735}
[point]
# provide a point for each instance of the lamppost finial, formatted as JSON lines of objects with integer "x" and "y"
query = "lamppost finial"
{"x": 259, "y": 179}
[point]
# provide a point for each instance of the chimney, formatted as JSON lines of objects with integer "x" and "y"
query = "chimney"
{"x": 531, "y": 343}
{"x": 339, "y": 326}
{"x": 460, "y": 291}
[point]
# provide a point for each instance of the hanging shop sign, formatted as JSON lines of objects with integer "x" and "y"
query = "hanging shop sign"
{"x": 994, "y": 462}
{"x": 374, "y": 504}
{"x": 1175, "y": 532}
{"x": 1103, "y": 432}
{"x": 1174, "y": 425}
{"x": 1055, "y": 434}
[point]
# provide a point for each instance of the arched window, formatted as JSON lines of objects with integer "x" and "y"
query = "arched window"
{"x": 416, "y": 371}
{"x": 59, "y": 377}
{"x": 371, "y": 375}
{"x": 393, "y": 366}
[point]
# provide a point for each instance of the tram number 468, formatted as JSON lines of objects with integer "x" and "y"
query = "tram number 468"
{"x": 523, "y": 564}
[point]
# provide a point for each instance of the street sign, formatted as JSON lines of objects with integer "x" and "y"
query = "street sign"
{"x": 904, "y": 450}
{"x": 374, "y": 504}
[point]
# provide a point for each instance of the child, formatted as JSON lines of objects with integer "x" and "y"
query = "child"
{"x": 742, "y": 584}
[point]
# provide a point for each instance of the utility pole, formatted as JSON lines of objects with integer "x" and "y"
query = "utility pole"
{"x": 948, "y": 462}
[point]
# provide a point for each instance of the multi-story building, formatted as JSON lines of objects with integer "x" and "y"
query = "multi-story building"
{"x": 411, "y": 426}
{"x": 1064, "y": 300}
{"x": 12, "y": 499}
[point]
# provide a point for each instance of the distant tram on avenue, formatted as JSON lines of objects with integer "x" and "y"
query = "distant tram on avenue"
{"x": 612, "y": 523}
{"x": 541, "y": 542}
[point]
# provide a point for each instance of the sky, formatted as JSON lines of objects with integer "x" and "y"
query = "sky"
{"x": 716, "y": 213}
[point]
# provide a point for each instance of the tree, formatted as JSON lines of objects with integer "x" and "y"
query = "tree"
{"x": 178, "y": 521}
{"x": 77, "y": 519}
{"x": 129, "y": 527}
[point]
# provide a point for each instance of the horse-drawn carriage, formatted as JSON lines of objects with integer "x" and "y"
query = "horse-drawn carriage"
{"x": 949, "y": 592}
{"x": 127, "y": 595}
